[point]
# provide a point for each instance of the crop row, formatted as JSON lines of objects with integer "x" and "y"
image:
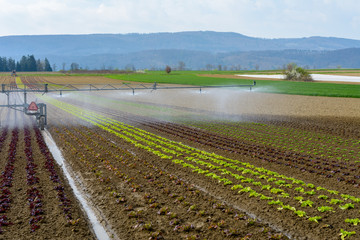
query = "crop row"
{"x": 34, "y": 196}
{"x": 155, "y": 152}
{"x": 142, "y": 182}
{"x": 286, "y": 138}
{"x": 34, "y": 193}
{"x": 318, "y": 144}
{"x": 32, "y": 82}
{"x": 49, "y": 165}
{"x": 325, "y": 167}
{"x": 6, "y": 180}
{"x": 211, "y": 165}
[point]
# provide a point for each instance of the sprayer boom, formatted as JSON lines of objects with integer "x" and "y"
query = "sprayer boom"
{"x": 39, "y": 110}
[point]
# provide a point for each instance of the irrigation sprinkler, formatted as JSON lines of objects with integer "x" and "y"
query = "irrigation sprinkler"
{"x": 39, "y": 109}
{"x": 135, "y": 87}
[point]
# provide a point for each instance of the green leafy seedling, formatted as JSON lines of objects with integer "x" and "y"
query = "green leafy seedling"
{"x": 323, "y": 197}
{"x": 284, "y": 195}
{"x": 276, "y": 190}
{"x": 343, "y": 234}
{"x": 315, "y": 219}
{"x": 347, "y": 206}
{"x": 324, "y": 209}
{"x": 300, "y": 213}
{"x": 307, "y": 203}
{"x": 277, "y": 202}
{"x": 263, "y": 197}
{"x": 312, "y": 192}
{"x": 335, "y": 201}
{"x": 354, "y": 221}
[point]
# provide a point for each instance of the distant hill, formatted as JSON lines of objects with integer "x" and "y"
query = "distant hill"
{"x": 196, "y": 49}
{"x": 158, "y": 59}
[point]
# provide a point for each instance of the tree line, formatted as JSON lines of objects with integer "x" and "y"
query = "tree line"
{"x": 26, "y": 64}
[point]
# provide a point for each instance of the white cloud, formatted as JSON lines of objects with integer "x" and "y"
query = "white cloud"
{"x": 261, "y": 18}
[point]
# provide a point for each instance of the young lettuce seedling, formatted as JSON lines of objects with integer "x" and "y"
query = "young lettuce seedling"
{"x": 343, "y": 234}
{"x": 315, "y": 219}
{"x": 354, "y": 221}
{"x": 347, "y": 206}
{"x": 324, "y": 209}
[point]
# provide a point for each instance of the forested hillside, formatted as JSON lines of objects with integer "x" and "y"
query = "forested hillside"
{"x": 187, "y": 50}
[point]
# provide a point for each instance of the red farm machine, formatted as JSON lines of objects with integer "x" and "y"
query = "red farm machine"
{"x": 34, "y": 109}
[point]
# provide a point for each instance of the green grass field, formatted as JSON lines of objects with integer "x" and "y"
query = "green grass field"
{"x": 267, "y": 86}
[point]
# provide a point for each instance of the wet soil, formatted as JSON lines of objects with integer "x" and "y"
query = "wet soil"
{"x": 141, "y": 196}
{"x": 106, "y": 151}
{"x": 54, "y": 223}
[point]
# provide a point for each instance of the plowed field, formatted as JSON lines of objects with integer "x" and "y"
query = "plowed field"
{"x": 165, "y": 166}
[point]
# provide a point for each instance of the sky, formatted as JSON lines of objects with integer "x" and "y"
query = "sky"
{"x": 255, "y": 18}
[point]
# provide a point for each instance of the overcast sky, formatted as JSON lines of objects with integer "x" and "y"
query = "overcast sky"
{"x": 257, "y": 18}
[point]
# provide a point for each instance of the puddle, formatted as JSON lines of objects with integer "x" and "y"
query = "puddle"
{"x": 98, "y": 229}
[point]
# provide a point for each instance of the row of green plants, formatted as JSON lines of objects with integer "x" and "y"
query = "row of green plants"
{"x": 151, "y": 143}
{"x": 306, "y": 142}
{"x": 126, "y": 160}
{"x": 319, "y": 144}
{"x": 343, "y": 171}
{"x": 114, "y": 124}
{"x": 315, "y": 165}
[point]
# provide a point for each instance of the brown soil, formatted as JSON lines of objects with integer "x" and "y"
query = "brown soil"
{"x": 210, "y": 191}
{"x": 5, "y": 79}
{"x": 54, "y": 224}
{"x": 142, "y": 191}
{"x": 141, "y": 196}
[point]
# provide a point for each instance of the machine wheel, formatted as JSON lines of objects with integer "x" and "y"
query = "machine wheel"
{"x": 42, "y": 123}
